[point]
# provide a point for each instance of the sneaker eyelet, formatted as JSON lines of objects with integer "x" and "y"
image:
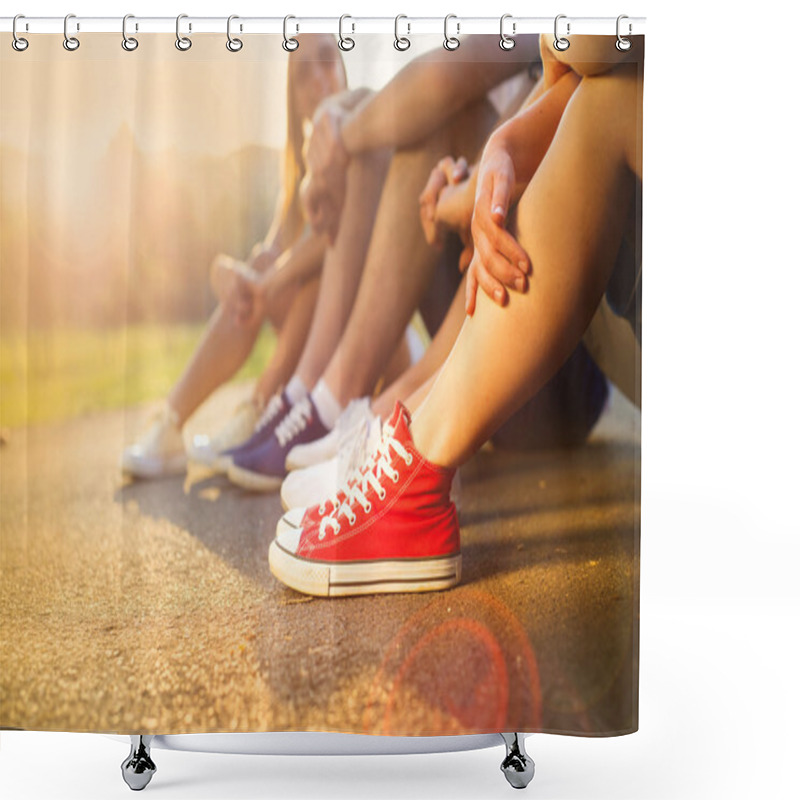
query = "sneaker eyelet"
{"x": 368, "y": 507}
{"x": 382, "y": 493}
{"x": 409, "y": 460}
{"x": 351, "y": 519}
{"x": 395, "y": 476}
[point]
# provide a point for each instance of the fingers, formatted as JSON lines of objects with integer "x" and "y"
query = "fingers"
{"x": 455, "y": 171}
{"x": 427, "y": 204}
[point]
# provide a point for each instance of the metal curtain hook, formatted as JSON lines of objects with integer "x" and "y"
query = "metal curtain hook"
{"x": 507, "y": 42}
{"x": 451, "y": 42}
{"x": 289, "y": 44}
{"x": 70, "y": 42}
{"x": 233, "y": 44}
{"x": 623, "y": 44}
{"x": 345, "y": 42}
{"x": 401, "y": 42}
{"x": 182, "y": 42}
{"x": 560, "y": 43}
{"x": 128, "y": 42}
{"x": 18, "y": 43}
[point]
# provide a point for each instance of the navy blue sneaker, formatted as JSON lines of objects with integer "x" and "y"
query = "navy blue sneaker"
{"x": 276, "y": 409}
{"x": 262, "y": 468}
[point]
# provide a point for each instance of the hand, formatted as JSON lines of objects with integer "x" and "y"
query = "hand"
{"x": 255, "y": 297}
{"x": 441, "y": 205}
{"x": 326, "y": 160}
{"x": 498, "y": 262}
{"x": 263, "y": 256}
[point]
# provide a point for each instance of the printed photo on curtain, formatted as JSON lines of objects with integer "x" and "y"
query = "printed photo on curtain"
{"x": 320, "y": 384}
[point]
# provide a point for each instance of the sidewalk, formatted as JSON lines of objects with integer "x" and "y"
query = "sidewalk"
{"x": 149, "y": 607}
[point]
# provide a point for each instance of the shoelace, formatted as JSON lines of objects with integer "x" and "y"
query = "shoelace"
{"x": 380, "y": 463}
{"x": 355, "y": 457}
{"x": 296, "y": 421}
{"x": 274, "y": 407}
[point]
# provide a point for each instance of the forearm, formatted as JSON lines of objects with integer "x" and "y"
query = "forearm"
{"x": 302, "y": 261}
{"x": 527, "y": 136}
{"x": 426, "y": 93}
{"x": 591, "y": 55}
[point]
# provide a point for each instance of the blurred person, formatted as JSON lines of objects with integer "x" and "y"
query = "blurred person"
{"x": 278, "y": 284}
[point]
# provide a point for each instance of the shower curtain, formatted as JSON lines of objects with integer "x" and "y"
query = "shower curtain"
{"x": 204, "y": 237}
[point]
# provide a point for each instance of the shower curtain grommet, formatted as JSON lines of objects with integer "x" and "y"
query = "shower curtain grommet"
{"x": 507, "y": 42}
{"x": 560, "y": 42}
{"x": 401, "y": 43}
{"x": 17, "y": 42}
{"x": 71, "y": 43}
{"x": 233, "y": 44}
{"x": 622, "y": 44}
{"x": 129, "y": 43}
{"x": 183, "y": 43}
{"x": 346, "y": 43}
{"x": 451, "y": 42}
{"x": 290, "y": 44}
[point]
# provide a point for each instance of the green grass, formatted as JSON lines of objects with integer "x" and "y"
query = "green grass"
{"x": 47, "y": 376}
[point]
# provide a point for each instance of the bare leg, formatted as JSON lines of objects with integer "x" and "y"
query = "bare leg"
{"x": 504, "y": 355}
{"x": 421, "y": 373}
{"x": 291, "y": 340}
{"x": 223, "y": 349}
{"x": 343, "y": 265}
{"x": 399, "y": 262}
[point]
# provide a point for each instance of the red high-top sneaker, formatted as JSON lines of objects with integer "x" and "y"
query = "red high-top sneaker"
{"x": 396, "y": 530}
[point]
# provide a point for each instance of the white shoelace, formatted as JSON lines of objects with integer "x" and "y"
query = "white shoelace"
{"x": 379, "y": 463}
{"x": 274, "y": 407}
{"x": 295, "y": 421}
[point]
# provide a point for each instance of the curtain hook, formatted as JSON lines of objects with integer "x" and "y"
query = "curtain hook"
{"x": 451, "y": 42}
{"x": 401, "y": 42}
{"x": 560, "y": 43}
{"x": 623, "y": 44}
{"x": 183, "y": 43}
{"x": 289, "y": 43}
{"x": 507, "y": 42}
{"x": 233, "y": 44}
{"x": 71, "y": 43}
{"x": 18, "y": 43}
{"x": 128, "y": 42}
{"x": 345, "y": 42}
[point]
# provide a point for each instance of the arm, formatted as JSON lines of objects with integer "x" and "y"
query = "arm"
{"x": 590, "y": 55}
{"x": 269, "y": 294}
{"x": 427, "y": 92}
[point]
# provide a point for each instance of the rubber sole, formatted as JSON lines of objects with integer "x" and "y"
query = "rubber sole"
{"x": 154, "y": 468}
{"x": 253, "y": 481}
{"x": 332, "y": 579}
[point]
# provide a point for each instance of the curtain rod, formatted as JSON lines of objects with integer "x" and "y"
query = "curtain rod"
{"x": 460, "y": 26}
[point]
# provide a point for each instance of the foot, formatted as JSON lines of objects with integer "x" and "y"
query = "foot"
{"x": 208, "y": 450}
{"x": 275, "y": 410}
{"x": 357, "y": 438}
{"x": 159, "y": 451}
{"x": 354, "y": 422}
{"x": 396, "y": 530}
{"x": 262, "y": 468}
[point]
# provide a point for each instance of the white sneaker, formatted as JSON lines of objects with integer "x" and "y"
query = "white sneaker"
{"x": 354, "y": 422}
{"x": 239, "y": 428}
{"x": 159, "y": 451}
{"x": 313, "y": 484}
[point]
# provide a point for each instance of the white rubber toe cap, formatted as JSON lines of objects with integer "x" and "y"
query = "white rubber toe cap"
{"x": 289, "y": 529}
